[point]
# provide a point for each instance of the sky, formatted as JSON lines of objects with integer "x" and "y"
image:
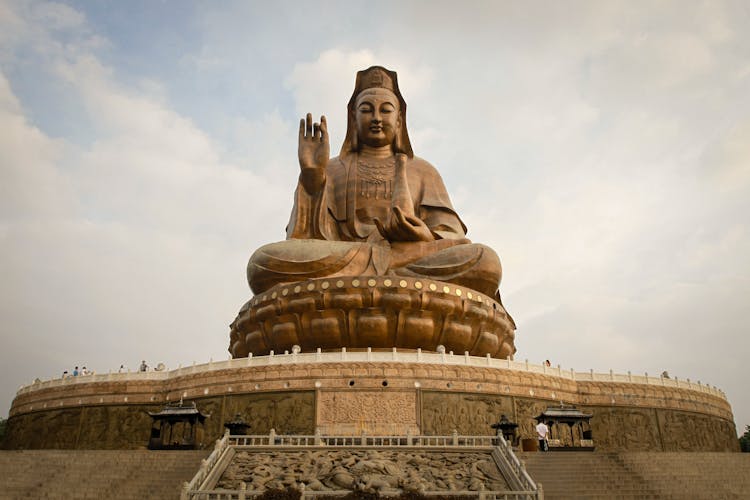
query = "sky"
{"x": 601, "y": 148}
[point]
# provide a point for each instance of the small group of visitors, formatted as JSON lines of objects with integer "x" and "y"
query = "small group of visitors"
{"x": 76, "y": 372}
{"x": 142, "y": 368}
{"x": 85, "y": 371}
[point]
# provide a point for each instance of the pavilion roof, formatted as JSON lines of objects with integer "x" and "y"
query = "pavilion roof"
{"x": 563, "y": 413}
{"x": 178, "y": 412}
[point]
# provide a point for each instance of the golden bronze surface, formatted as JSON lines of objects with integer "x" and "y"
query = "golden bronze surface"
{"x": 374, "y": 211}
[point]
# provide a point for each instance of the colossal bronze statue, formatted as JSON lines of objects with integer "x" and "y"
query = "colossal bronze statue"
{"x": 375, "y": 211}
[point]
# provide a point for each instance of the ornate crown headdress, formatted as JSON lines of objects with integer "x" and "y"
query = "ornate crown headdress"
{"x": 376, "y": 77}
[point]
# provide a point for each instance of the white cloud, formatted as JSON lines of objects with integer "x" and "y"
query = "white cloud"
{"x": 132, "y": 246}
{"x": 32, "y": 185}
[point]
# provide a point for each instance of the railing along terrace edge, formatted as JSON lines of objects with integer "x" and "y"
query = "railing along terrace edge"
{"x": 362, "y": 440}
{"x": 393, "y": 356}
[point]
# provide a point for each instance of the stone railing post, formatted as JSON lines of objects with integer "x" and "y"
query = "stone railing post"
{"x": 317, "y": 436}
{"x": 272, "y": 437}
{"x": 184, "y": 491}
{"x": 408, "y": 438}
{"x": 455, "y": 437}
{"x": 243, "y": 490}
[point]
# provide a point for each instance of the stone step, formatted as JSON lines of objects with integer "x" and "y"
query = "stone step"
{"x": 659, "y": 474}
{"x": 94, "y": 474}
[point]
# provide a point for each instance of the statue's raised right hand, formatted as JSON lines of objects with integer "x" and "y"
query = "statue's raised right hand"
{"x": 313, "y": 151}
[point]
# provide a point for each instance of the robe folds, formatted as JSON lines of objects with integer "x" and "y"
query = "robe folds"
{"x": 331, "y": 214}
{"x": 327, "y": 236}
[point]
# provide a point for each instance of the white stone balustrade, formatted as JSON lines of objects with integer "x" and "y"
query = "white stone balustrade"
{"x": 394, "y": 355}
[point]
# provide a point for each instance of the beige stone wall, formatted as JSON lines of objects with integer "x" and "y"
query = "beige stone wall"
{"x": 128, "y": 426}
{"x": 377, "y": 397}
{"x": 613, "y": 428}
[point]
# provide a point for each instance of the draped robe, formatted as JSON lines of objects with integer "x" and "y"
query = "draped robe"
{"x": 331, "y": 233}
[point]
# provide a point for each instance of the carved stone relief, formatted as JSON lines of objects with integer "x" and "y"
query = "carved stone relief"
{"x": 615, "y": 429}
{"x": 526, "y": 410}
{"x": 286, "y": 412}
{"x": 112, "y": 427}
{"x": 52, "y": 429}
{"x": 213, "y": 427}
{"x": 367, "y": 411}
{"x": 386, "y": 472}
{"x": 351, "y": 412}
{"x": 686, "y": 431}
{"x": 469, "y": 414}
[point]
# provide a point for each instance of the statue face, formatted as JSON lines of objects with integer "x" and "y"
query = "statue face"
{"x": 377, "y": 116}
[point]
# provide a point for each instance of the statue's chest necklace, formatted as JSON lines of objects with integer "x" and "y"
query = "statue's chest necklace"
{"x": 375, "y": 178}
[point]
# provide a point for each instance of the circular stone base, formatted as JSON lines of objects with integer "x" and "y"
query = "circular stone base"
{"x": 372, "y": 311}
{"x": 379, "y": 393}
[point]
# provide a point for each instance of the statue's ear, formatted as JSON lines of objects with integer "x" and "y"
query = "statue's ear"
{"x": 351, "y": 130}
{"x": 397, "y": 146}
{"x": 355, "y": 140}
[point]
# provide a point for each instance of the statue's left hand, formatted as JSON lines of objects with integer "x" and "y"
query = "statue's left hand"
{"x": 402, "y": 227}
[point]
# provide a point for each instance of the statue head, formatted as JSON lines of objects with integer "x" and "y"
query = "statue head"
{"x": 376, "y": 92}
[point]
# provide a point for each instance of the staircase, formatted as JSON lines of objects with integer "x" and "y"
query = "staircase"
{"x": 96, "y": 474}
{"x": 668, "y": 475}
{"x": 141, "y": 474}
{"x": 693, "y": 475}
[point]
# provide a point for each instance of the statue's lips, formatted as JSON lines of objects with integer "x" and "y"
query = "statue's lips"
{"x": 376, "y": 129}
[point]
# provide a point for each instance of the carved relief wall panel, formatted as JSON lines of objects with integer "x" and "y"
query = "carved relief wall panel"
{"x": 372, "y": 412}
{"x": 115, "y": 427}
{"x": 470, "y": 414}
{"x": 632, "y": 429}
{"x": 687, "y": 431}
{"x": 51, "y": 429}
{"x": 128, "y": 427}
{"x": 526, "y": 410}
{"x": 286, "y": 412}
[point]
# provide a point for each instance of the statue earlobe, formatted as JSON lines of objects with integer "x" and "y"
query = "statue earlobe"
{"x": 352, "y": 129}
{"x": 397, "y": 146}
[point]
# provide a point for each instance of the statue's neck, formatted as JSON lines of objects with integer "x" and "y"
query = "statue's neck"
{"x": 379, "y": 152}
